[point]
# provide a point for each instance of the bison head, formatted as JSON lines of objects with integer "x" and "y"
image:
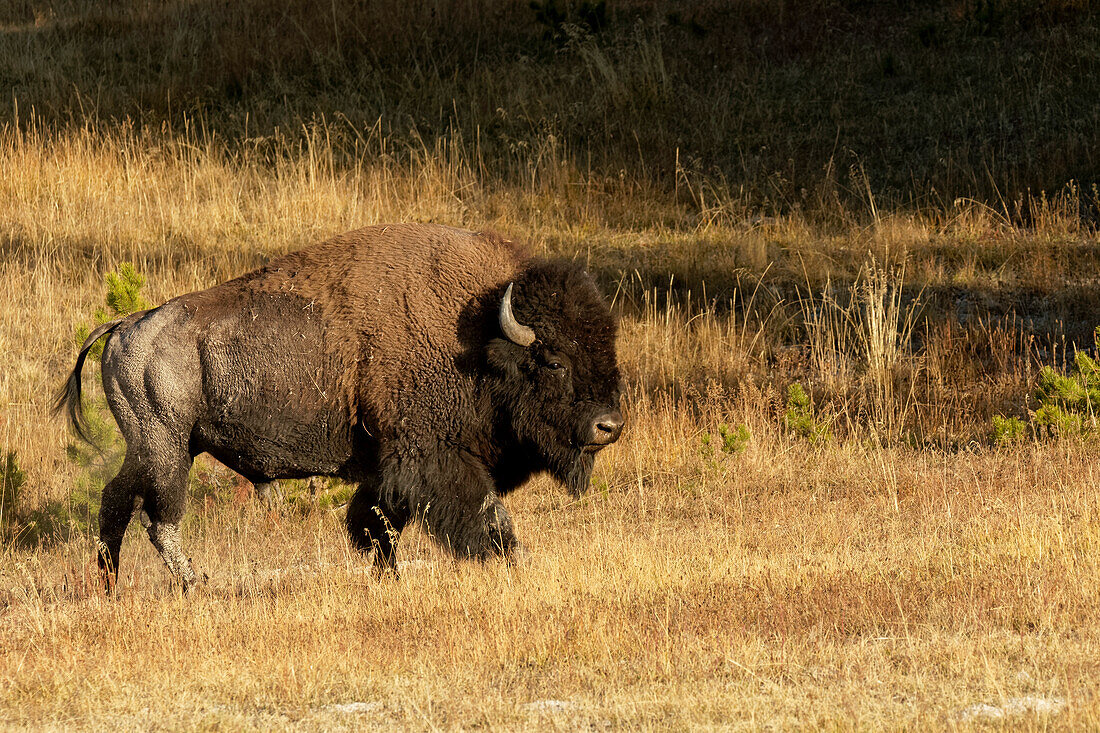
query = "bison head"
{"x": 553, "y": 360}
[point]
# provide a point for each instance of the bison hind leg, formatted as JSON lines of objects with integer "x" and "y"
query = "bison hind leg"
{"x": 375, "y": 525}
{"x": 165, "y": 536}
{"x": 158, "y": 504}
{"x": 116, "y": 507}
{"x": 164, "y": 506}
{"x": 163, "y": 502}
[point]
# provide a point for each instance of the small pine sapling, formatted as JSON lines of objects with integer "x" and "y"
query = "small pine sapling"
{"x": 800, "y": 416}
{"x": 1068, "y": 403}
{"x": 123, "y": 297}
{"x": 12, "y": 479}
{"x": 1008, "y": 430}
{"x": 731, "y": 441}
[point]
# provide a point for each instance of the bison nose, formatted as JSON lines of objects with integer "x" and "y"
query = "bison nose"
{"x": 607, "y": 427}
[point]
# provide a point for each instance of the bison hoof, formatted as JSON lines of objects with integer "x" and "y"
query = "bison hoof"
{"x": 379, "y": 573}
{"x": 381, "y": 568}
{"x": 518, "y": 554}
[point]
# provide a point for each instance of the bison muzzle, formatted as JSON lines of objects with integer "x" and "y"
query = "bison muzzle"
{"x": 436, "y": 368}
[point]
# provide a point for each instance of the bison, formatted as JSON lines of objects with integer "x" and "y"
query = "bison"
{"x": 436, "y": 368}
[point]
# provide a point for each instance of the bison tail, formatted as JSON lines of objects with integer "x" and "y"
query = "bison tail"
{"x": 68, "y": 399}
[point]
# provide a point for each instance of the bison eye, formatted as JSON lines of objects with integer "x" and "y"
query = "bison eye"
{"x": 554, "y": 362}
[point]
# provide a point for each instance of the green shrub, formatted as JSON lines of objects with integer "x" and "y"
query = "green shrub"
{"x": 1008, "y": 430}
{"x": 12, "y": 479}
{"x": 1052, "y": 420}
{"x": 304, "y": 496}
{"x": 800, "y": 417}
{"x": 1068, "y": 403}
{"x": 123, "y": 297}
{"x": 21, "y": 526}
{"x": 49, "y": 522}
{"x": 733, "y": 440}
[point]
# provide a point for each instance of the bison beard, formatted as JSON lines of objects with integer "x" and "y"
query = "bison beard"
{"x": 580, "y": 473}
{"x": 436, "y": 368}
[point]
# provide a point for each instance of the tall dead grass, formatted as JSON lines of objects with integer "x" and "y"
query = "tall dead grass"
{"x": 923, "y": 341}
{"x": 865, "y": 582}
{"x": 861, "y": 336}
{"x": 782, "y": 586}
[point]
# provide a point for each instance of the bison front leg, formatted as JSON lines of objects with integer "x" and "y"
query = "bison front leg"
{"x": 269, "y": 493}
{"x": 375, "y": 524}
{"x": 457, "y": 503}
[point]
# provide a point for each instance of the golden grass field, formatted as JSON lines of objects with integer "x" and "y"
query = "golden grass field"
{"x": 862, "y": 583}
{"x": 908, "y": 572}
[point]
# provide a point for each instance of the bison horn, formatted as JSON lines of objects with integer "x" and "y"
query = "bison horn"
{"x": 513, "y": 329}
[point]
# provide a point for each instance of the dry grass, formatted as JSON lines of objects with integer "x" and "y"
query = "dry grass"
{"x": 893, "y": 577}
{"x": 860, "y": 584}
{"x": 784, "y": 587}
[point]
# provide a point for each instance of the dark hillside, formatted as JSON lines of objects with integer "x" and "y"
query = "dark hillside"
{"x": 780, "y": 106}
